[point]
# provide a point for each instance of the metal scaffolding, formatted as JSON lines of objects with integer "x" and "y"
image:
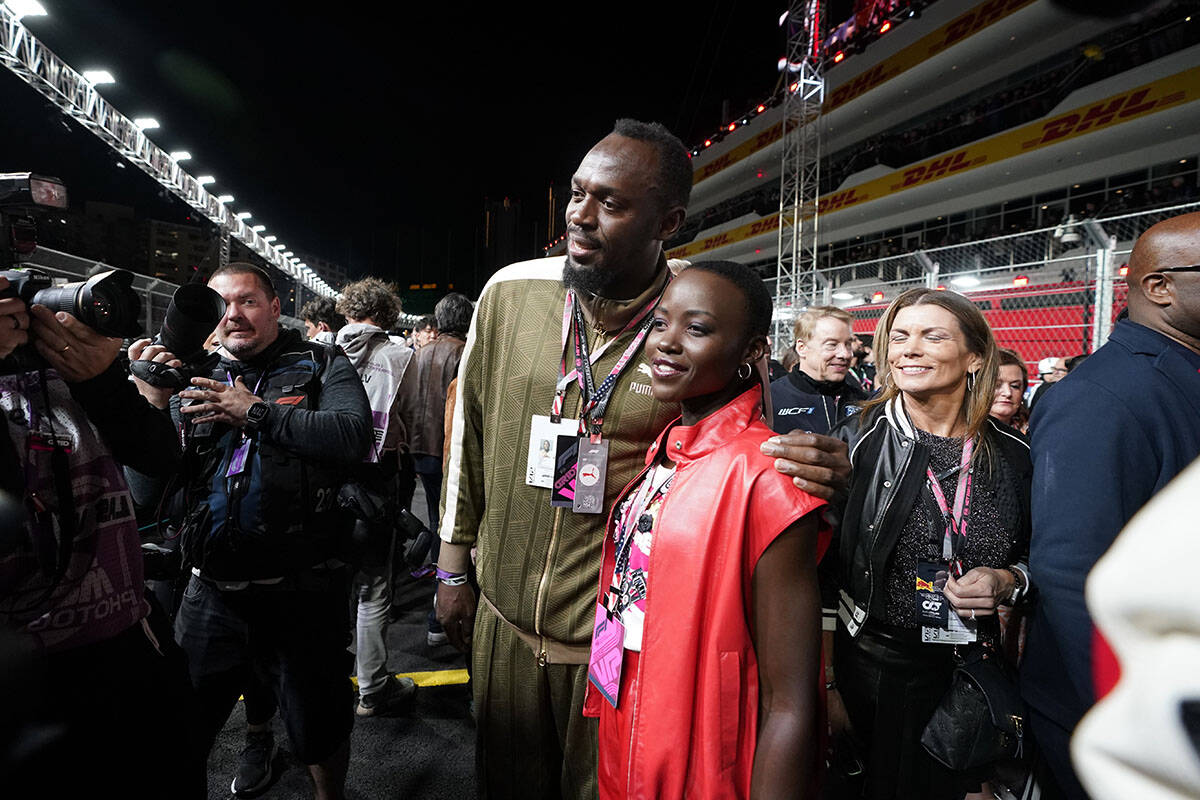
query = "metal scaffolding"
{"x": 798, "y": 281}
{"x": 76, "y": 97}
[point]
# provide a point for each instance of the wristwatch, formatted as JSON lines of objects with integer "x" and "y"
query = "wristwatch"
{"x": 256, "y": 414}
{"x": 1018, "y": 585}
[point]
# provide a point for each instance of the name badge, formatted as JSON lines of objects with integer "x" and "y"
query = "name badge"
{"x": 237, "y": 461}
{"x": 566, "y": 465}
{"x": 608, "y": 648}
{"x": 940, "y": 624}
{"x": 543, "y": 436}
{"x": 589, "y": 477}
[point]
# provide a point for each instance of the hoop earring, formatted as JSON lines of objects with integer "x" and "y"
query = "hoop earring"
{"x": 970, "y": 382}
{"x": 749, "y": 371}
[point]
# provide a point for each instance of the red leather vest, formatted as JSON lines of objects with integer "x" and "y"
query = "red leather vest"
{"x": 696, "y": 710}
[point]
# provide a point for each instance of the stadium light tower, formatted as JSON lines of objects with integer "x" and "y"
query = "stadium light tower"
{"x": 799, "y": 182}
{"x": 31, "y": 61}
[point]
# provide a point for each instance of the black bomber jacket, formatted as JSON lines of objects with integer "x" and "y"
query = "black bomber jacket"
{"x": 888, "y": 469}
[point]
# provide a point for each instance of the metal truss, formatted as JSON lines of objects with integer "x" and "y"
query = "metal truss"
{"x": 798, "y": 281}
{"x": 35, "y": 64}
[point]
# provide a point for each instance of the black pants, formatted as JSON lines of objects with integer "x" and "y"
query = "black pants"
{"x": 891, "y": 684}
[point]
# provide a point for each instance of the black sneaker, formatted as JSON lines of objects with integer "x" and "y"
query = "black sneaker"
{"x": 256, "y": 765}
{"x": 396, "y": 697}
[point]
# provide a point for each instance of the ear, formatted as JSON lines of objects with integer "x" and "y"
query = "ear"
{"x": 975, "y": 364}
{"x": 799, "y": 347}
{"x": 756, "y": 349}
{"x": 672, "y": 221}
{"x": 275, "y": 307}
{"x": 1158, "y": 289}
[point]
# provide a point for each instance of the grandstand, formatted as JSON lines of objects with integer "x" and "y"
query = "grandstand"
{"x": 1007, "y": 149}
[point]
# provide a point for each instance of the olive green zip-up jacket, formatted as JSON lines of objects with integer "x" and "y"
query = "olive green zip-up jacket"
{"x": 537, "y": 564}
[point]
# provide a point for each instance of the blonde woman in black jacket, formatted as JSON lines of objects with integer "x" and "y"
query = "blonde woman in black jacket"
{"x": 934, "y": 536}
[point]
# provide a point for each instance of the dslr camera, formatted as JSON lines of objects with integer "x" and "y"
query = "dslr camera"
{"x": 105, "y": 302}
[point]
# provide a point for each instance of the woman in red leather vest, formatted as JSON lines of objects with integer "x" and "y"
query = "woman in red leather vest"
{"x": 706, "y": 646}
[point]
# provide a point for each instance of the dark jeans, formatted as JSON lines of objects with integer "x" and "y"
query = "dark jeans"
{"x": 292, "y": 640}
{"x": 430, "y": 470}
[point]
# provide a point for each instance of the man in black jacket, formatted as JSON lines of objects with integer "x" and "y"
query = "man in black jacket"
{"x": 820, "y": 391}
{"x": 269, "y": 438}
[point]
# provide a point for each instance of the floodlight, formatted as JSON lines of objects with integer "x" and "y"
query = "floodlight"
{"x": 258, "y": 228}
{"x": 180, "y": 155}
{"x": 205, "y": 180}
{"x": 270, "y": 239}
{"x": 965, "y": 281}
{"x": 243, "y": 215}
{"x": 98, "y": 76}
{"x": 225, "y": 198}
{"x": 843, "y": 295}
{"x": 26, "y": 8}
{"x": 146, "y": 123}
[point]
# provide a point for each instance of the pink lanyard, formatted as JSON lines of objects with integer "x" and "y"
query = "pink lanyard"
{"x": 594, "y": 397}
{"x": 956, "y": 519}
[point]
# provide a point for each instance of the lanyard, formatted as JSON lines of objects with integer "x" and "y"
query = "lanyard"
{"x": 627, "y": 523}
{"x": 956, "y": 519}
{"x": 595, "y": 398}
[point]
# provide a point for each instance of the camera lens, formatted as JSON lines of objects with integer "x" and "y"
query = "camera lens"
{"x": 106, "y": 303}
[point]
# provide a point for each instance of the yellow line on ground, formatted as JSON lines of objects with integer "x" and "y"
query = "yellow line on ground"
{"x": 440, "y": 677}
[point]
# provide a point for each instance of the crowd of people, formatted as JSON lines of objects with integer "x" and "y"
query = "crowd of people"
{"x": 672, "y": 575}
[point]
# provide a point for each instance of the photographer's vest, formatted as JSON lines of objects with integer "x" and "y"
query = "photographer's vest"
{"x": 278, "y": 515}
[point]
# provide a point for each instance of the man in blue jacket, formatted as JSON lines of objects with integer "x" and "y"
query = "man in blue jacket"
{"x": 1111, "y": 434}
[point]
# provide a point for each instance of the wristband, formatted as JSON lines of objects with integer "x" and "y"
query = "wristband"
{"x": 450, "y": 578}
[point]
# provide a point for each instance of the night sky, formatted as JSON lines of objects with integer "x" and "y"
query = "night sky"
{"x": 372, "y": 137}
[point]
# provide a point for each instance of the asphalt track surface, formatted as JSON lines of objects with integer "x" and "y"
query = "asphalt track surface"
{"x": 428, "y": 753}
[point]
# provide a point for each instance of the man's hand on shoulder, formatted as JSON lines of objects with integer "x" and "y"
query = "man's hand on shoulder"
{"x": 219, "y": 402}
{"x": 820, "y": 465}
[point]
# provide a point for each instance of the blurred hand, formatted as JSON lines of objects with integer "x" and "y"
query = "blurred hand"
{"x": 142, "y": 350}
{"x": 455, "y": 606}
{"x": 979, "y": 591}
{"x": 14, "y": 322}
{"x": 820, "y": 465}
{"x": 74, "y": 350}
{"x": 219, "y": 402}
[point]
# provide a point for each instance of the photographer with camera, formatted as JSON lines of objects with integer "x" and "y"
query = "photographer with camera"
{"x": 268, "y": 436}
{"x": 71, "y": 581}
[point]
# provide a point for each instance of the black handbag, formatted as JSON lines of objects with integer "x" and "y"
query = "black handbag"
{"x": 981, "y": 718}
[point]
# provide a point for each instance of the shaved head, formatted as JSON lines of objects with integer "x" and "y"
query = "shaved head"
{"x": 1168, "y": 302}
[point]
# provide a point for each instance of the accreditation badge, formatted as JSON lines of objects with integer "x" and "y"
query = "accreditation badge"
{"x": 940, "y": 624}
{"x": 589, "y": 476}
{"x": 543, "y": 437}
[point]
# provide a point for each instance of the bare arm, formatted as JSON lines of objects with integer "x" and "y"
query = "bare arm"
{"x": 787, "y": 631}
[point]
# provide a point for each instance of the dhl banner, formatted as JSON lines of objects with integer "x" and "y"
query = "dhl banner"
{"x": 743, "y": 150}
{"x": 1175, "y": 90}
{"x": 926, "y": 47}
{"x": 954, "y": 31}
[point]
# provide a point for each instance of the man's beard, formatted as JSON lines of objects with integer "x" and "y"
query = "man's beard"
{"x": 594, "y": 280}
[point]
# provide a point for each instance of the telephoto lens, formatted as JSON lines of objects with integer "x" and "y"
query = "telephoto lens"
{"x": 193, "y": 314}
{"x": 106, "y": 302}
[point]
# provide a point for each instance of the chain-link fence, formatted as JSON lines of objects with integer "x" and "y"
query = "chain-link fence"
{"x": 1049, "y": 292}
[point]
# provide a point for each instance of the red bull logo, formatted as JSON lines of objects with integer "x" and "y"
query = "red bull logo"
{"x": 924, "y": 586}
